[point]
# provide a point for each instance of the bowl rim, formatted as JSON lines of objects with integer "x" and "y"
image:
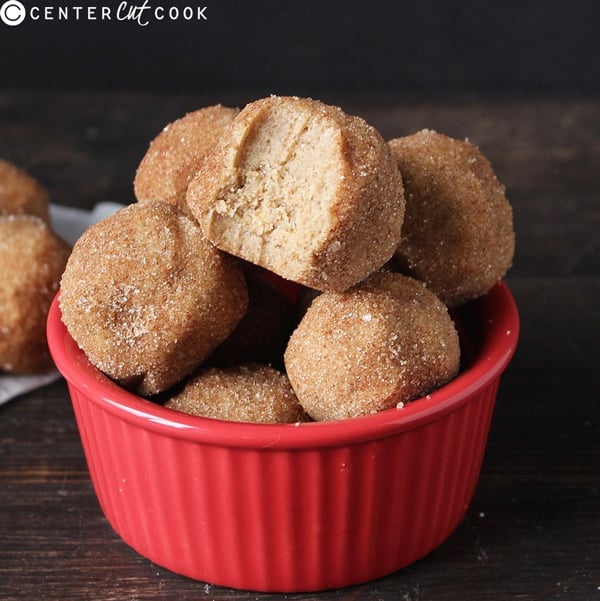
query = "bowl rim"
{"x": 496, "y": 310}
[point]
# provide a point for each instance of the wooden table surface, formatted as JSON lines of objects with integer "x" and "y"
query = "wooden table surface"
{"x": 533, "y": 529}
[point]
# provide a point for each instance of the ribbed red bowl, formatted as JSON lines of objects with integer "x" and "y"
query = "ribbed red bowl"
{"x": 291, "y": 507}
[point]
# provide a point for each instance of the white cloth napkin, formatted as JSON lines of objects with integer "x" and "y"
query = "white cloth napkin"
{"x": 69, "y": 223}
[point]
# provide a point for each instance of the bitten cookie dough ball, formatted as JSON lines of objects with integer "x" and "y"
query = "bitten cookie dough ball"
{"x": 22, "y": 194}
{"x": 175, "y": 155}
{"x": 32, "y": 260}
{"x": 458, "y": 229}
{"x": 148, "y": 298}
{"x": 301, "y": 189}
{"x": 385, "y": 341}
{"x": 245, "y": 393}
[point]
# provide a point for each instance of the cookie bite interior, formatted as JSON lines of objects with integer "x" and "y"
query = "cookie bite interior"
{"x": 283, "y": 174}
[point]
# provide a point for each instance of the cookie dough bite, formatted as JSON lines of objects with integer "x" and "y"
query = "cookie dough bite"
{"x": 384, "y": 342}
{"x": 245, "y": 393}
{"x": 175, "y": 155}
{"x": 458, "y": 229}
{"x": 148, "y": 298}
{"x": 262, "y": 334}
{"x": 32, "y": 259}
{"x": 22, "y": 194}
{"x": 301, "y": 189}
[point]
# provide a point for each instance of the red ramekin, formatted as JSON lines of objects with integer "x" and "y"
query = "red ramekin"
{"x": 291, "y": 508}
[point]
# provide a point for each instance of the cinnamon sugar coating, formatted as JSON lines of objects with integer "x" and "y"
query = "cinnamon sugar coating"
{"x": 148, "y": 298}
{"x": 176, "y": 153}
{"x": 302, "y": 189}
{"x": 385, "y": 341}
{"x": 32, "y": 259}
{"x": 458, "y": 229}
{"x": 20, "y": 193}
{"x": 245, "y": 393}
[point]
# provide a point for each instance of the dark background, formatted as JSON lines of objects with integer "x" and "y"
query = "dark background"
{"x": 424, "y": 48}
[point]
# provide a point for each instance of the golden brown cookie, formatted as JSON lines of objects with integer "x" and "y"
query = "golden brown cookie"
{"x": 458, "y": 230}
{"x": 302, "y": 189}
{"x": 22, "y": 194}
{"x": 148, "y": 298}
{"x": 245, "y": 393}
{"x": 175, "y": 155}
{"x": 32, "y": 260}
{"x": 385, "y": 341}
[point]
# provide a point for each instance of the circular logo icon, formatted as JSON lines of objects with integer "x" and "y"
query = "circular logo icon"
{"x": 12, "y": 13}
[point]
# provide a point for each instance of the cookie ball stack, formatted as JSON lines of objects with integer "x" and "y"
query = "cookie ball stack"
{"x": 167, "y": 296}
{"x": 32, "y": 259}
